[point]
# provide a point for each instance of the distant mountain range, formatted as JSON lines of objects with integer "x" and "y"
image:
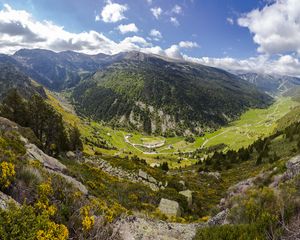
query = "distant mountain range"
{"x": 271, "y": 83}
{"x": 142, "y": 91}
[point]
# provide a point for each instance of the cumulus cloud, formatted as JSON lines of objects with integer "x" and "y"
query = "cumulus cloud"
{"x": 155, "y": 34}
{"x": 156, "y": 11}
{"x": 128, "y": 28}
{"x": 174, "y": 21}
{"x": 276, "y": 27}
{"x": 176, "y": 9}
{"x": 188, "y": 44}
{"x": 112, "y": 12}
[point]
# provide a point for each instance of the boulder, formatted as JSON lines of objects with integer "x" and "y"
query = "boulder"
{"x": 169, "y": 207}
{"x": 49, "y": 162}
{"x": 5, "y": 200}
{"x": 182, "y": 183}
{"x": 293, "y": 167}
{"x": 219, "y": 219}
{"x": 143, "y": 175}
{"x": 152, "y": 180}
{"x": 70, "y": 154}
{"x": 189, "y": 196}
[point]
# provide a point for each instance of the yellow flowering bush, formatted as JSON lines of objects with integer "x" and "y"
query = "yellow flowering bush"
{"x": 53, "y": 231}
{"x": 7, "y": 173}
{"x": 45, "y": 190}
{"x": 87, "y": 220}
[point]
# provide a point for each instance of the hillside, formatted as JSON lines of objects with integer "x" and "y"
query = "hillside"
{"x": 157, "y": 95}
{"x": 12, "y": 78}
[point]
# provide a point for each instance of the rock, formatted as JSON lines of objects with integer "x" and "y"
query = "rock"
{"x": 152, "y": 180}
{"x": 169, "y": 207}
{"x": 189, "y": 195}
{"x": 72, "y": 181}
{"x": 219, "y": 219}
{"x": 5, "y": 200}
{"x": 182, "y": 183}
{"x": 49, "y": 162}
{"x": 142, "y": 174}
{"x": 293, "y": 167}
{"x": 70, "y": 154}
{"x": 217, "y": 175}
{"x": 134, "y": 228}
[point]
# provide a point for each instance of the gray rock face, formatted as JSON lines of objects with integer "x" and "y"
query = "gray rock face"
{"x": 5, "y": 200}
{"x": 189, "y": 196}
{"x": 293, "y": 167}
{"x": 137, "y": 228}
{"x": 72, "y": 181}
{"x": 70, "y": 154}
{"x": 219, "y": 219}
{"x": 169, "y": 208}
{"x": 143, "y": 175}
{"x": 49, "y": 162}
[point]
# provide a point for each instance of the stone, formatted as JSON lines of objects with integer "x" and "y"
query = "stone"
{"x": 5, "y": 200}
{"x": 219, "y": 219}
{"x": 293, "y": 167}
{"x": 34, "y": 152}
{"x": 70, "y": 154}
{"x": 182, "y": 183}
{"x": 72, "y": 181}
{"x": 152, "y": 180}
{"x": 143, "y": 175}
{"x": 189, "y": 196}
{"x": 169, "y": 207}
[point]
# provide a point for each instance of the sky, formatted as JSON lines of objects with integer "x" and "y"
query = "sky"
{"x": 249, "y": 35}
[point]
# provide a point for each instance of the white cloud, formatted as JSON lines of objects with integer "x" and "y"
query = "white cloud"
{"x": 112, "y": 12}
{"x": 173, "y": 52}
{"x": 230, "y": 20}
{"x": 188, "y": 44}
{"x": 174, "y": 21}
{"x": 176, "y": 9}
{"x": 276, "y": 27}
{"x": 157, "y": 11}
{"x": 155, "y": 34}
{"x": 128, "y": 28}
{"x": 149, "y": 2}
{"x": 283, "y": 65}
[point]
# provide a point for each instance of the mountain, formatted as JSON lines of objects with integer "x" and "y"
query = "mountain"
{"x": 271, "y": 83}
{"x": 154, "y": 94}
{"x": 11, "y": 77}
{"x": 61, "y": 70}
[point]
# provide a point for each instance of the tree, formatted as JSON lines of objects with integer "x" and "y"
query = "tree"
{"x": 165, "y": 166}
{"x": 75, "y": 141}
{"x": 14, "y": 107}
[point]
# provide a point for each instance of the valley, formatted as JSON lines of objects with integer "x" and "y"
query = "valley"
{"x": 252, "y": 125}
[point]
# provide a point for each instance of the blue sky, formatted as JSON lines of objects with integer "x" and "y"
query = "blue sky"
{"x": 201, "y": 21}
{"x": 239, "y": 34}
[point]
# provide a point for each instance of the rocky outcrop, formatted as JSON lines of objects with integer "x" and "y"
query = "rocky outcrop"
{"x": 48, "y": 162}
{"x": 169, "y": 207}
{"x": 293, "y": 167}
{"x": 72, "y": 181}
{"x": 137, "y": 228}
{"x": 52, "y": 165}
{"x": 219, "y": 219}
{"x": 5, "y": 200}
{"x": 189, "y": 196}
{"x": 139, "y": 177}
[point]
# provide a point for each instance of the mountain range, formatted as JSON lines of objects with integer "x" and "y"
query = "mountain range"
{"x": 142, "y": 91}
